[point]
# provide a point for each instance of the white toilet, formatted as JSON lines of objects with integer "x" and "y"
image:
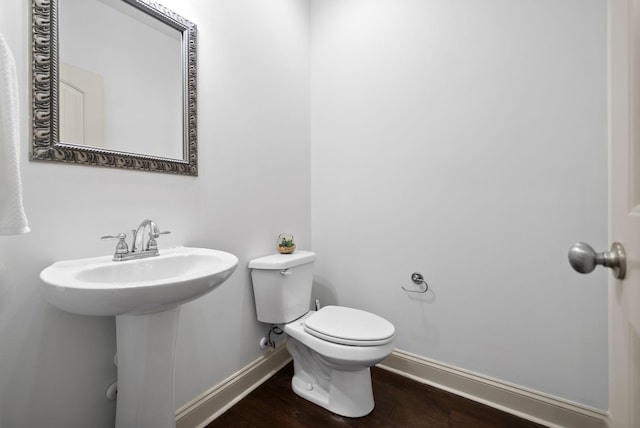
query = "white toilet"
{"x": 332, "y": 348}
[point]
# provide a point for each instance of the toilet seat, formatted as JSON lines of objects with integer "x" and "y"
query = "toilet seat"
{"x": 348, "y": 326}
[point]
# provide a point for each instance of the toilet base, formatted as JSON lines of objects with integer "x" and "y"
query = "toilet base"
{"x": 350, "y": 394}
{"x": 346, "y": 392}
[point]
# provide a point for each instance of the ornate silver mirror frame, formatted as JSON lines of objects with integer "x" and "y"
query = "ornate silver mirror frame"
{"x": 46, "y": 144}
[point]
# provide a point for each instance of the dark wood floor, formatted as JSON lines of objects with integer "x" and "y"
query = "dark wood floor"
{"x": 400, "y": 402}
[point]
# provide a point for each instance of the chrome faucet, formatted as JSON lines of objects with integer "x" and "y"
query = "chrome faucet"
{"x": 139, "y": 249}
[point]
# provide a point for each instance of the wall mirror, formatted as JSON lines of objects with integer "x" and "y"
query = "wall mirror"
{"x": 114, "y": 85}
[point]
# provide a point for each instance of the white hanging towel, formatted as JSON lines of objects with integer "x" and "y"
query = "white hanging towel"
{"x": 13, "y": 220}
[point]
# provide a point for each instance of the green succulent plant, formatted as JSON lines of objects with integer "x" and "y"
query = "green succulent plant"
{"x": 286, "y": 243}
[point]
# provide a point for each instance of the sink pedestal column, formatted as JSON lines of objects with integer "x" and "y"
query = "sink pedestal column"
{"x": 146, "y": 354}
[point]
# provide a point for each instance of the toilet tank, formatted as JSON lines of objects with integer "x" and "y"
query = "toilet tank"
{"x": 282, "y": 286}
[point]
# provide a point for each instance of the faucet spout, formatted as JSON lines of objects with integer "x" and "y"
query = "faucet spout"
{"x": 138, "y": 236}
{"x": 139, "y": 249}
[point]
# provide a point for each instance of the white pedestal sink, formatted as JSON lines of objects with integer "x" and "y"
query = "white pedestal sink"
{"x": 145, "y": 297}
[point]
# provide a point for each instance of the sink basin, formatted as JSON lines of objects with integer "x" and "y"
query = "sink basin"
{"x": 99, "y": 286}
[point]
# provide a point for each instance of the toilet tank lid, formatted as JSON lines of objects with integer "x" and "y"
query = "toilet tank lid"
{"x": 282, "y": 261}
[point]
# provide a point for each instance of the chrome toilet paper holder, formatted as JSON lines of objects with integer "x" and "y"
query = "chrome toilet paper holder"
{"x": 418, "y": 279}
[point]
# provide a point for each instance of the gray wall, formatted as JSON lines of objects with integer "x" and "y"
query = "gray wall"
{"x": 253, "y": 119}
{"x": 466, "y": 140}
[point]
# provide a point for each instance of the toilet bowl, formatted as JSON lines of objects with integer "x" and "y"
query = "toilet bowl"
{"x": 334, "y": 375}
{"x": 332, "y": 348}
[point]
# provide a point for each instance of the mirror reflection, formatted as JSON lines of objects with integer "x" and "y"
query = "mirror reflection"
{"x": 120, "y": 79}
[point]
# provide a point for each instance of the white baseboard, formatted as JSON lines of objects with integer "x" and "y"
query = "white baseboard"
{"x": 208, "y": 406}
{"x": 525, "y": 403}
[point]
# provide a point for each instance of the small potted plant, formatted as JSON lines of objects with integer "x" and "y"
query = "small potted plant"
{"x": 285, "y": 244}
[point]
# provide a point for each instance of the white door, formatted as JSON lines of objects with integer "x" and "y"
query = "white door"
{"x": 624, "y": 166}
{"x": 81, "y": 106}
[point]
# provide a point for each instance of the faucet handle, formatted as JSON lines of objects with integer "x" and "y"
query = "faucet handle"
{"x": 158, "y": 233}
{"x": 152, "y": 245}
{"x": 121, "y": 246}
{"x": 118, "y": 236}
